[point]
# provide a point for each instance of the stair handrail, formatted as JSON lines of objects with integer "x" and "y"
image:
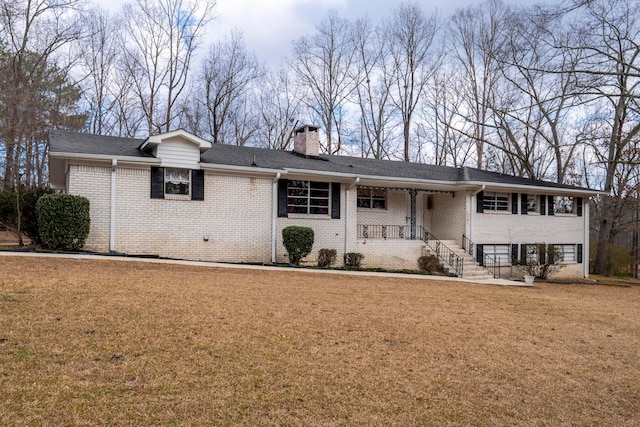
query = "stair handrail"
{"x": 488, "y": 262}
{"x": 444, "y": 253}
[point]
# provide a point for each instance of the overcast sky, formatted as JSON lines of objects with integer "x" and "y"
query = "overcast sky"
{"x": 269, "y": 26}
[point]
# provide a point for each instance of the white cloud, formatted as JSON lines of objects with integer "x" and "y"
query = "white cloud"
{"x": 269, "y": 26}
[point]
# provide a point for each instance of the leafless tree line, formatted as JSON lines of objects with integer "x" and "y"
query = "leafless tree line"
{"x": 545, "y": 92}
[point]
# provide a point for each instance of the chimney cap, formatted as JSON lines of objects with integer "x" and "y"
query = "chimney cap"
{"x": 303, "y": 128}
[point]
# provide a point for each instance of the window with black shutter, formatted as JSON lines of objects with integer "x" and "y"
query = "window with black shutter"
{"x": 335, "y": 200}
{"x": 197, "y": 185}
{"x": 157, "y": 183}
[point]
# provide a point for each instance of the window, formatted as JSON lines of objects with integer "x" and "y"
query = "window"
{"x": 177, "y": 181}
{"x": 308, "y": 197}
{"x": 532, "y": 203}
{"x": 495, "y": 202}
{"x": 565, "y": 253}
{"x": 499, "y": 254}
{"x": 372, "y": 198}
{"x": 563, "y": 205}
{"x": 533, "y": 253}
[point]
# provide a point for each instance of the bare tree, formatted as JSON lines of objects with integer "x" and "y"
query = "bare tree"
{"x": 416, "y": 56}
{"x": 610, "y": 34}
{"x": 98, "y": 59}
{"x": 323, "y": 64}
{"x": 228, "y": 74}
{"x": 373, "y": 76}
{"x": 158, "y": 42}
{"x": 476, "y": 39}
{"x": 438, "y": 140}
{"x": 279, "y": 109}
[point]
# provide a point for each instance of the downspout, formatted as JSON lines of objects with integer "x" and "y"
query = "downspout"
{"x": 274, "y": 216}
{"x": 472, "y": 234}
{"x": 346, "y": 214}
{"x": 112, "y": 218}
{"x": 585, "y": 245}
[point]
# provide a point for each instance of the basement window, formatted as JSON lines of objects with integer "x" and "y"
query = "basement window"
{"x": 499, "y": 254}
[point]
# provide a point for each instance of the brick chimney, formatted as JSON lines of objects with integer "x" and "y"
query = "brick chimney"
{"x": 306, "y": 141}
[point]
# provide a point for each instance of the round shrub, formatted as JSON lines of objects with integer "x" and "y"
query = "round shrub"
{"x": 353, "y": 259}
{"x": 298, "y": 241}
{"x": 326, "y": 257}
{"x": 63, "y": 221}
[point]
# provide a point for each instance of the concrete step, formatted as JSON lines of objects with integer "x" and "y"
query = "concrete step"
{"x": 472, "y": 270}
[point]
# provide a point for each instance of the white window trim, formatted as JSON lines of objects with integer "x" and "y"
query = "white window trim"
{"x": 495, "y": 195}
{"x": 308, "y": 197}
{"x": 373, "y": 209}
{"x": 174, "y": 196}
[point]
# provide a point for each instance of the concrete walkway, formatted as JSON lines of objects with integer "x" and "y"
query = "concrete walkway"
{"x": 502, "y": 282}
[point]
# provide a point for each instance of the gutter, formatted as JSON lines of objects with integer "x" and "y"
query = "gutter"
{"x": 472, "y": 214}
{"x": 346, "y": 213}
{"x": 105, "y": 157}
{"x": 112, "y": 214}
{"x": 274, "y": 215}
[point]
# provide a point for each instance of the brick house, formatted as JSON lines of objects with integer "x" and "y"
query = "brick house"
{"x": 176, "y": 195}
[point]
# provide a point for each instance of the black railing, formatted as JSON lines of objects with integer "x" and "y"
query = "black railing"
{"x": 454, "y": 262}
{"x": 486, "y": 261}
{"x": 366, "y": 231}
{"x": 442, "y": 251}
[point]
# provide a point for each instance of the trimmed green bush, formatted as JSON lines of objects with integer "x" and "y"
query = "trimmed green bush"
{"x": 298, "y": 241}
{"x": 353, "y": 259}
{"x": 29, "y": 225}
{"x": 63, "y": 220}
{"x": 326, "y": 257}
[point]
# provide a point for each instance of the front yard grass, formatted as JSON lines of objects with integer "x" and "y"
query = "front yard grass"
{"x": 101, "y": 342}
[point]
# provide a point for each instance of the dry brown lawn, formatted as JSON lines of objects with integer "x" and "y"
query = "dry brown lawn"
{"x": 90, "y": 342}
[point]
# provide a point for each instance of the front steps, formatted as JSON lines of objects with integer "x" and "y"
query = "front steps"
{"x": 472, "y": 270}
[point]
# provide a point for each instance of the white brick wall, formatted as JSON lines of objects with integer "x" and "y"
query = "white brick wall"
{"x": 235, "y": 215}
{"x": 449, "y": 216}
{"x": 492, "y": 227}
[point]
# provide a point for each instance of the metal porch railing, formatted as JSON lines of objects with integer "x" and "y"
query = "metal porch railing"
{"x": 442, "y": 251}
{"x": 488, "y": 262}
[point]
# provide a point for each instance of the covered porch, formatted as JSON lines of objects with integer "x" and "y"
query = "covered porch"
{"x": 397, "y": 225}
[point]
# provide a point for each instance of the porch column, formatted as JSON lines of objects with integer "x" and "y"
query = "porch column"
{"x": 412, "y": 218}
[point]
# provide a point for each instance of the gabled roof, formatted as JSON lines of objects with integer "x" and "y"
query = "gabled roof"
{"x": 156, "y": 140}
{"x": 231, "y": 157}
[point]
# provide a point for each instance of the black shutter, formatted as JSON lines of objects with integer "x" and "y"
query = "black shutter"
{"x": 480, "y": 202}
{"x": 480, "y": 254}
{"x": 197, "y": 184}
{"x": 523, "y": 253}
{"x": 579, "y": 253}
{"x": 542, "y": 252}
{"x": 157, "y": 183}
{"x": 523, "y": 204}
{"x": 579, "y": 206}
{"x": 543, "y": 205}
{"x": 514, "y": 254}
{"x": 282, "y": 198}
{"x": 550, "y": 205}
{"x": 514, "y": 203}
{"x": 335, "y": 200}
